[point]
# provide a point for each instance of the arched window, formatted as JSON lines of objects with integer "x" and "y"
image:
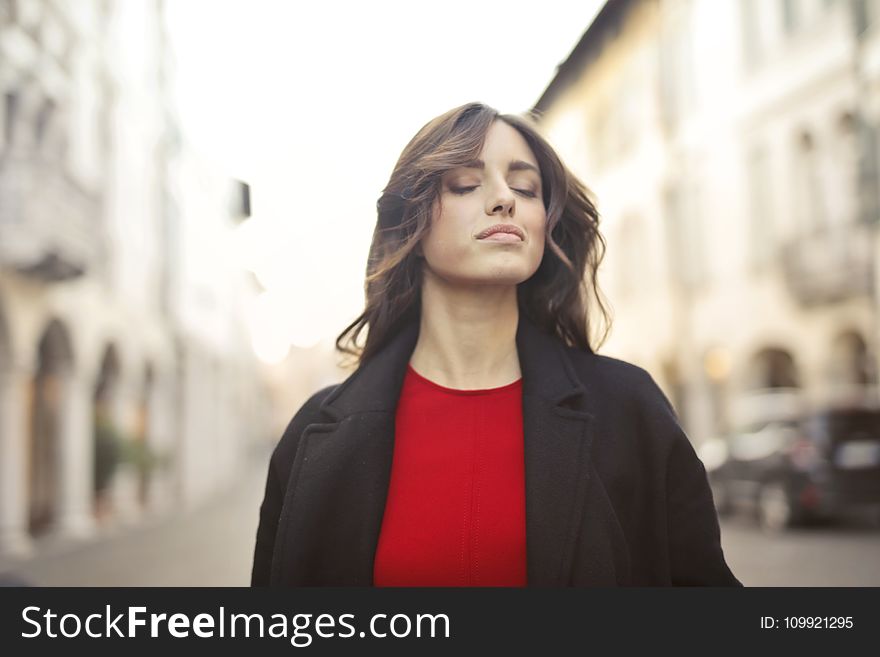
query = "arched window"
{"x": 807, "y": 194}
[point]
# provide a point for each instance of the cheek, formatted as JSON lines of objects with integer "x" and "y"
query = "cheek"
{"x": 441, "y": 244}
{"x": 539, "y": 246}
{"x": 538, "y": 236}
{"x": 449, "y": 231}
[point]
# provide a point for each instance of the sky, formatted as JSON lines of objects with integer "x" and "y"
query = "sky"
{"x": 312, "y": 103}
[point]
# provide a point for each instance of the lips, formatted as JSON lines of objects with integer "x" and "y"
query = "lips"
{"x": 505, "y": 229}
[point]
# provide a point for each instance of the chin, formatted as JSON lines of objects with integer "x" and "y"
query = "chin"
{"x": 510, "y": 273}
{"x": 512, "y": 276}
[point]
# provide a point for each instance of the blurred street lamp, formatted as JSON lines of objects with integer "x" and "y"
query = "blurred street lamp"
{"x": 716, "y": 364}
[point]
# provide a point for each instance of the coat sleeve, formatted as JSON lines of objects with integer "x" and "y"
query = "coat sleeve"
{"x": 693, "y": 532}
{"x": 270, "y": 512}
{"x": 695, "y": 554}
{"x": 276, "y": 485}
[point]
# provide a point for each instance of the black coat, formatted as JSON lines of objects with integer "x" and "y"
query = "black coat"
{"x": 615, "y": 493}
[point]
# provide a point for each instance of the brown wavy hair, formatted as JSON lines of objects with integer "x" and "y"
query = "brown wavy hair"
{"x": 556, "y": 297}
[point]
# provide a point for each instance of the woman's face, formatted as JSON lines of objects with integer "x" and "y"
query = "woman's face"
{"x": 503, "y": 187}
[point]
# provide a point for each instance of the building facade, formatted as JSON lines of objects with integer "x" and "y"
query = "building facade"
{"x": 732, "y": 149}
{"x": 127, "y": 383}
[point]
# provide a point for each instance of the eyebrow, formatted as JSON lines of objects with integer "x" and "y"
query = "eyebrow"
{"x": 515, "y": 165}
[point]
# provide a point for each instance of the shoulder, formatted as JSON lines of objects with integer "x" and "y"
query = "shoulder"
{"x": 620, "y": 382}
{"x": 628, "y": 397}
{"x": 308, "y": 413}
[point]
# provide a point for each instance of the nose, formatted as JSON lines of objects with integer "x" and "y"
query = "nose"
{"x": 501, "y": 201}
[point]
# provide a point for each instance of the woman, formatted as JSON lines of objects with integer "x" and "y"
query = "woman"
{"x": 481, "y": 441}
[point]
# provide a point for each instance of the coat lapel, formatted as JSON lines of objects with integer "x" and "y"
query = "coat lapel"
{"x": 557, "y": 439}
{"x": 335, "y": 499}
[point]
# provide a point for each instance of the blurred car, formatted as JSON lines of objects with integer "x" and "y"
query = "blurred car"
{"x": 790, "y": 470}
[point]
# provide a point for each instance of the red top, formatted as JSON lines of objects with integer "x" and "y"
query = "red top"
{"x": 455, "y": 512}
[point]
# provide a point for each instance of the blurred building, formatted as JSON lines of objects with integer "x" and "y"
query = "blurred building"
{"x": 127, "y": 381}
{"x": 731, "y": 145}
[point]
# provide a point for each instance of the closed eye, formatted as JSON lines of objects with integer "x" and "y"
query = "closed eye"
{"x": 461, "y": 190}
{"x": 464, "y": 190}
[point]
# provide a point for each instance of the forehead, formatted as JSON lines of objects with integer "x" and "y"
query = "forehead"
{"x": 503, "y": 148}
{"x": 504, "y": 142}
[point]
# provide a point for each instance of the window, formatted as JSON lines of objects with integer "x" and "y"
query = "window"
{"x": 630, "y": 256}
{"x": 627, "y": 114}
{"x": 600, "y": 132}
{"x": 678, "y": 85}
{"x": 798, "y": 15}
{"x": 809, "y": 201}
{"x": 753, "y": 47}
{"x": 10, "y": 110}
{"x": 857, "y": 166}
{"x": 684, "y": 229}
{"x": 761, "y": 225}
{"x": 843, "y": 192}
{"x": 791, "y": 15}
{"x": 43, "y": 122}
{"x": 615, "y": 123}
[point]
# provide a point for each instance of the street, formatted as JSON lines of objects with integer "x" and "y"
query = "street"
{"x": 846, "y": 553}
{"x": 213, "y": 546}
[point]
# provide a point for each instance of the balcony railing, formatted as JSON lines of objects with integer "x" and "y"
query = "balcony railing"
{"x": 50, "y": 227}
{"x": 830, "y": 265}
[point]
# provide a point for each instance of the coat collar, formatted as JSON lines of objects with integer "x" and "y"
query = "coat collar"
{"x": 546, "y": 370}
{"x": 336, "y": 494}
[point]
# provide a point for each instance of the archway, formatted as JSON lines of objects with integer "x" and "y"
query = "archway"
{"x": 772, "y": 367}
{"x": 850, "y": 360}
{"x": 4, "y": 343}
{"x": 143, "y": 430}
{"x": 54, "y": 364}
{"x": 106, "y": 439}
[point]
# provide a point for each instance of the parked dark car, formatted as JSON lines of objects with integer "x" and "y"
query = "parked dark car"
{"x": 788, "y": 471}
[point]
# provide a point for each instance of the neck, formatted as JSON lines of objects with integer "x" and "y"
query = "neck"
{"x": 467, "y": 335}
